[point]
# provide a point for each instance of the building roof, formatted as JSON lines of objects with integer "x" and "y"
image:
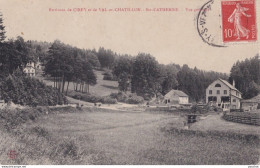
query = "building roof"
{"x": 176, "y": 92}
{"x": 228, "y": 84}
{"x": 255, "y": 99}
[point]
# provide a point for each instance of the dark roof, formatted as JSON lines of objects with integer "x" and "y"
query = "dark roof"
{"x": 255, "y": 99}
{"x": 229, "y": 85}
{"x": 176, "y": 92}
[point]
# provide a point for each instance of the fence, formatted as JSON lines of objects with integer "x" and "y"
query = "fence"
{"x": 245, "y": 118}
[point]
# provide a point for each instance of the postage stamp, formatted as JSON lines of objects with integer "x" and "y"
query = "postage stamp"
{"x": 238, "y": 21}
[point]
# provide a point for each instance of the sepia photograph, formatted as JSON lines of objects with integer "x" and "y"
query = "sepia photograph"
{"x": 129, "y": 82}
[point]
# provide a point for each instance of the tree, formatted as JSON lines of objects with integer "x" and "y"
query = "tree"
{"x": 13, "y": 55}
{"x": 2, "y": 29}
{"x": 122, "y": 69}
{"x": 146, "y": 79}
{"x": 66, "y": 64}
{"x": 93, "y": 60}
{"x": 246, "y": 74}
{"x": 252, "y": 90}
{"x": 194, "y": 81}
{"x": 169, "y": 74}
{"x": 106, "y": 58}
{"x": 25, "y": 90}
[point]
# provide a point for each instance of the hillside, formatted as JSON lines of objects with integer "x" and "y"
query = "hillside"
{"x": 102, "y": 88}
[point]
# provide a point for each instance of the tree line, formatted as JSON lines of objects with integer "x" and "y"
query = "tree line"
{"x": 69, "y": 64}
{"x": 146, "y": 77}
{"x": 246, "y": 75}
{"x": 140, "y": 74}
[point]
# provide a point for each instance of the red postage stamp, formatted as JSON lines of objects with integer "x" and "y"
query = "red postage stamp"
{"x": 238, "y": 21}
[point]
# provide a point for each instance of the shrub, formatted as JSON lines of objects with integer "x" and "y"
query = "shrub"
{"x": 109, "y": 76}
{"x": 127, "y": 98}
{"x": 109, "y": 100}
{"x": 29, "y": 91}
{"x": 14, "y": 117}
{"x": 134, "y": 99}
{"x": 93, "y": 99}
{"x": 120, "y": 96}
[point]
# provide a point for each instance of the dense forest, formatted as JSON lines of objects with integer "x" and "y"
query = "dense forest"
{"x": 141, "y": 74}
{"x": 246, "y": 74}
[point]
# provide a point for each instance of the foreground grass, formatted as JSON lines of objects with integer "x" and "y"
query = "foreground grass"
{"x": 102, "y": 136}
{"x": 36, "y": 145}
{"x": 210, "y": 147}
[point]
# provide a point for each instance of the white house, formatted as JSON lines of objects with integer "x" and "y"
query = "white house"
{"x": 30, "y": 68}
{"x": 176, "y": 97}
{"x": 223, "y": 94}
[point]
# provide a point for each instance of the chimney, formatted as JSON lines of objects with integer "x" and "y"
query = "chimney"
{"x": 234, "y": 83}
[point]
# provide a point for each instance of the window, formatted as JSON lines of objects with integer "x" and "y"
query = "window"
{"x": 225, "y": 91}
{"x": 225, "y": 99}
{"x": 210, "y": 91}
{"x": 234, "y": 100}
{"x": 237, "y": 93}
{"x": 212, "y": 98}
{"x": 217, "y": 85}
{"x": 218, "y": 91}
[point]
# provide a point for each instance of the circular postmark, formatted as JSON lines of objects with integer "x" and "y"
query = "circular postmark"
{"x": 208, "y": 26}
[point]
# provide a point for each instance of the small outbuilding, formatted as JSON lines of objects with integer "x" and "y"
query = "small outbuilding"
{"x": 251, "y": 104}
{"x": 176, "y": 97}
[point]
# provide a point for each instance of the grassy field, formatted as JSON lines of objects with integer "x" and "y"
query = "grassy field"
{"x": 105, "y": 136}
{"x": 102, "y": 88}
{"x": 216, "y": 123}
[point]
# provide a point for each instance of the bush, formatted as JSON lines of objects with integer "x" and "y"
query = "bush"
{"x": 120, "y": 96}
{"x": 109, "y": 76}
{"x": 93, "y": 99}
{"x": 14, "y": 117}
{"x": 134, "y": 99}
{"x": 109, "y": 100}
{"x": 127, "y": 98}
{"x": 29, "y": 91}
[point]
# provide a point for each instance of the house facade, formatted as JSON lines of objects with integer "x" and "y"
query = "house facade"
{"x": 30, "y": 68}
{"x": 176, "y": 97}
{"x": 222, "y": 94}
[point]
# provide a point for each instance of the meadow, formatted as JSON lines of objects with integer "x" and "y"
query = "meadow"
{"x": 102, "y": 88}
{"x": 105, "y": 136}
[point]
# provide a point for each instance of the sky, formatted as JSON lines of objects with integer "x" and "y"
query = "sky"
{"x": 170, "y": 36}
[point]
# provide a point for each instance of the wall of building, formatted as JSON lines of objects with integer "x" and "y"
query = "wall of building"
{"x": 29, "y": 71}
{"x": 183, "y": 100}
{"x": 248, "y": 106}
{"x": 236, "y": 93}
{"x": 224, "y": 90}
{"x": 235, "y": 103}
